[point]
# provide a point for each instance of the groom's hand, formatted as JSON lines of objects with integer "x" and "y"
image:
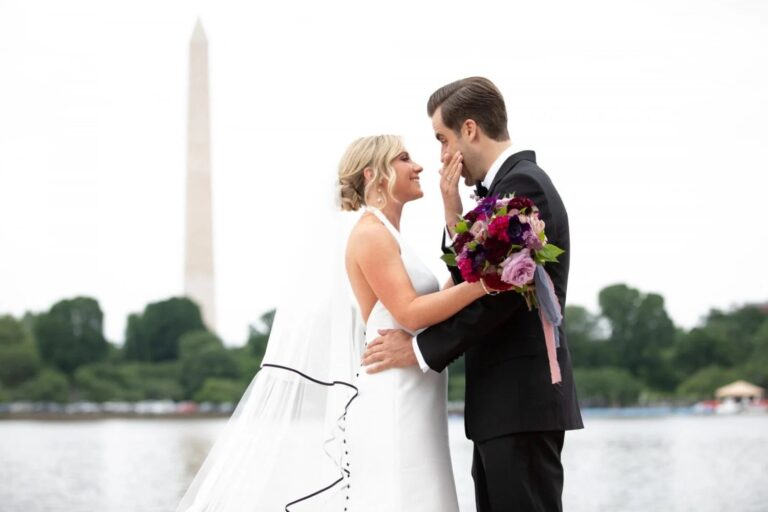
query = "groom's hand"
{"x": 449, "y": 187}
{"x": 392, "y": 349}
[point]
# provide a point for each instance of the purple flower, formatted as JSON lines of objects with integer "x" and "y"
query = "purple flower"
{"x": 532, "y": 241}
{"x": 471, "y": 264}
{"x": 518, "y": 269}
{"x": 516, "y": 230}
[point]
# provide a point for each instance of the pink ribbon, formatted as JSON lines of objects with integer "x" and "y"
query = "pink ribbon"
{"x": 549, "y": 337}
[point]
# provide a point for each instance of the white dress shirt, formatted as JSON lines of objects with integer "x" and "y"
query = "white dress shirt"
{"x": 487, "y": 181}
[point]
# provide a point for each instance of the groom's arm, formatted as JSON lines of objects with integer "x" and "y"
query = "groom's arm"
{"x": 442, "y": 343}
{"x": 439, "y": 345}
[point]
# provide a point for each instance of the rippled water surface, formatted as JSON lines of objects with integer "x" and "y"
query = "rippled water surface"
{"x": 135, "y": 465}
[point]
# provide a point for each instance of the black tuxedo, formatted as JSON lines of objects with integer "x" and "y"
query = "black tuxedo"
{"x": 509, "y": 394}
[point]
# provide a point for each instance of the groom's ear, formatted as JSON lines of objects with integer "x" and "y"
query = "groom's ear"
{"x": 469, "y": 130}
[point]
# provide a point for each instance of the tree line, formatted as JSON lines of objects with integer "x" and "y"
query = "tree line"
{"x": 630, "y": 352}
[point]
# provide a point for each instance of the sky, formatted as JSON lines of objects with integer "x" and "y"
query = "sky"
{"x": 650, "y": 118}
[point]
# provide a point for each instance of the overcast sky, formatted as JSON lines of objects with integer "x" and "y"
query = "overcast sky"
{"x": 650, "y": 117}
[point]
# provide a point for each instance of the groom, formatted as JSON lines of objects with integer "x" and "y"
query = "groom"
{"x": 516, "y": 418}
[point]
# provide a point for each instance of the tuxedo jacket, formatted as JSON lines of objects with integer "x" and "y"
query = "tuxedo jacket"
{"x": 508, "y": 382}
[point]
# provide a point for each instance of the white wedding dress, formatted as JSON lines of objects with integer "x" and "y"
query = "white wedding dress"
{"x": 313, "y": 432}
{"x": 397, "y": 427}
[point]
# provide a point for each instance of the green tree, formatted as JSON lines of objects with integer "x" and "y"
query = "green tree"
{"x": 203, "y": 356}
{"x": 642, "y": 334}
{"x": 154, "y": 335}
{"x": 12, "y": 332}
{"x": 588, "y": 348}
{"x": 607, "y": 386}
{"x": 219, "y": 390}
{"x": 756, "y": 369}
{"x": 18, "y": 363}
{"x": 702, "y": 347}
{"x": 129, "y": 381}
{"x": 71, "y": 334}
{"x": 258, "y": 335}
{"x": 19, "y": 360}
{"x": 47, "y": 386}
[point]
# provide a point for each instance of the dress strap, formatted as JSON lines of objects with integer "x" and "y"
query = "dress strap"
{"x": 383, "y": 218}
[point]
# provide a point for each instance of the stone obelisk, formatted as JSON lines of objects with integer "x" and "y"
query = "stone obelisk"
{"x": 198, "y": 268}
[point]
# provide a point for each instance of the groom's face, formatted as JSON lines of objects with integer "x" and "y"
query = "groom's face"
{"x": 450, "y": 143}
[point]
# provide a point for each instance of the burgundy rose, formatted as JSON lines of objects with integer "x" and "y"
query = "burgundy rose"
{"x": 493, "y": 281}
{"x": 461, "y": 240}
{"x": 496, "y": 250}
{"x": 520, "y": 202}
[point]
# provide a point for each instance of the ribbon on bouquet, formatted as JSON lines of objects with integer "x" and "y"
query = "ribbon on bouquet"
{"x": 551, "y": 317}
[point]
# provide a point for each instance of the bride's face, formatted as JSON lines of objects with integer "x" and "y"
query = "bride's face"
{"x": 407, "y": 185}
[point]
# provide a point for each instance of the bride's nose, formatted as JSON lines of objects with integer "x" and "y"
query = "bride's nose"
{"x": 417, "y": 168}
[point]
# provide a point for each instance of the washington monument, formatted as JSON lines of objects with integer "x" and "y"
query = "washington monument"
{"x": 198, "y": 267}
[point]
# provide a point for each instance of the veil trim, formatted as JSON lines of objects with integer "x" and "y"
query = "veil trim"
{"x": 344, "y": 472}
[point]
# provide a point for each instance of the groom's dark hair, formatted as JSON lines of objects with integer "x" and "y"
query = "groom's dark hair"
{"x": 473, "y": 98}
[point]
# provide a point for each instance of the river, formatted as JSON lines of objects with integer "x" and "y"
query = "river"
{"x": 674, "y": 463}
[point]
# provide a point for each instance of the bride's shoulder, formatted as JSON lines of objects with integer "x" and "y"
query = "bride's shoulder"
{"x": 369, "y": 235}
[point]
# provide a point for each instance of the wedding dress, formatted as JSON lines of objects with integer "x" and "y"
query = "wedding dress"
{"x": 313, "y": 431}
{"x": 397, "y": 427}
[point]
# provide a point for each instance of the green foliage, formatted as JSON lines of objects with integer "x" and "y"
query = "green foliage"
{"x": 641, "y": 333}
{"x": 71, "y": 334}
{"x": 259, "y": 335}
{"x": 130, "y": 382}
{"x": 607, "y": 386}
{"x": 154, "y": 335}
{"x": 204, "y": 356}
{"x": 13, "y": 332}
{"x": 18, "y": 363}
{"x": 702, "y": 347}
{"x": 47, "y": 386}
{"x": 630, "y": 351}
{"x": 588, "y": 348}
{"x": 219, "y": 390}
{"x": 456, "y": 380}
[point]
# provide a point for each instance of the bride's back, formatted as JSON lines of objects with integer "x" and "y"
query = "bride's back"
{"x": 366, "y": 228}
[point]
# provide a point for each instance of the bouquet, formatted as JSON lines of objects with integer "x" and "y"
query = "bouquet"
{"x": 501, "y": 241}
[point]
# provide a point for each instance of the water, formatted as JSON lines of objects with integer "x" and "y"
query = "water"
{"x": 636, "y": 464}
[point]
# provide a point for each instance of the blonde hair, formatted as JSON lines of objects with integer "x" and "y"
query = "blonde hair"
{"x": 376, "y": 152}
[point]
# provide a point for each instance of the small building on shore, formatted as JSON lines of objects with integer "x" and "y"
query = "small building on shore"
{"x": 740, "y": 392}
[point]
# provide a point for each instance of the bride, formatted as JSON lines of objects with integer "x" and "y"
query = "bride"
{"x": 314, "y": 430}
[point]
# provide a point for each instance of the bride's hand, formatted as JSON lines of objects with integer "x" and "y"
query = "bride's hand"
{"x": 449, "y": 187}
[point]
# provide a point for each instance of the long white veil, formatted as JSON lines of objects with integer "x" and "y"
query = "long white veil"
{"x": 283, "y": 447}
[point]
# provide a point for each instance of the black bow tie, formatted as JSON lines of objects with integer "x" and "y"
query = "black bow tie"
{"x": 480, "y": 190}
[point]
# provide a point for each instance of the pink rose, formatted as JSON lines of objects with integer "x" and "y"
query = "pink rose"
{"x": 536, "y": 223}
{"x": 479, "y": 231}
{"x": 518, "y": 269}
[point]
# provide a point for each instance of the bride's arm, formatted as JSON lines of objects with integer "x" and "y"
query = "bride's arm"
{"x": 377, "y": 255}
